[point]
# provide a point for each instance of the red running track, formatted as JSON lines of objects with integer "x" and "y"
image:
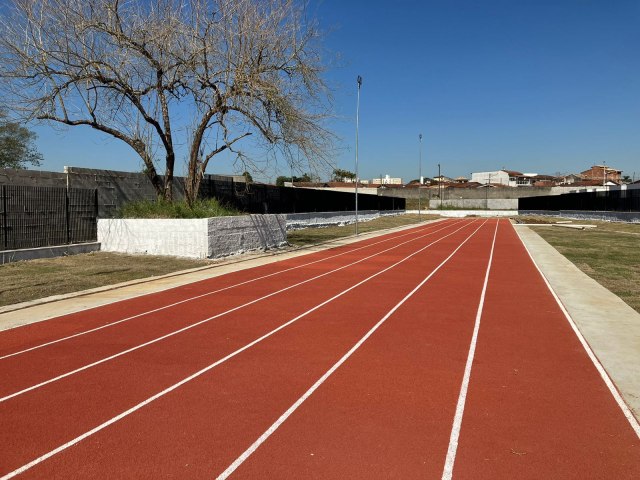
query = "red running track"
{"x": 437, "y": 352}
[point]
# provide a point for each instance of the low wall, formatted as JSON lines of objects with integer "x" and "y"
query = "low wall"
{"x": 296, "y": 221}
{"x": 451, "y": 193}
{"x": 632, "y": 217}
{"x": 8, "y": 256}
{"x": 231, "y": 235}
{"x": 476, "y": 213}
{"x": 471, "y": 203}
{"x": 193, "y": 238}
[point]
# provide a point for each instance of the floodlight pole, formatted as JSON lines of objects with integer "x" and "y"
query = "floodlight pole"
{"x": 359, "y": 80}
{"x": 440, "y": 186}
{"x": 420, "y": 178}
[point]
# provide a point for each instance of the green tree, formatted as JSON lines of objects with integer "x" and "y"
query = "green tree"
{"x": 280, "y": 181}
{"x": 247, "y": 177}
{"x": 16, "y": 144}
{"x": 340, "y": 175}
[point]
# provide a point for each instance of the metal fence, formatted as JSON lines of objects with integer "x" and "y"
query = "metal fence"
{"x": 46, "y": 216}
{"x": 601, "y": 201}
{"x": 260, "y": 198}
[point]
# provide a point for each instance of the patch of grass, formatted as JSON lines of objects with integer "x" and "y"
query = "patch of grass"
{"x": 610, "y": 253}
{"x": 29, "y": 280}
{"x": 309, "y": 236}
{"x": 178, "y": 209}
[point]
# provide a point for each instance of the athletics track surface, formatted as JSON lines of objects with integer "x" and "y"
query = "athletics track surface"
{"x": 435, "y": 352}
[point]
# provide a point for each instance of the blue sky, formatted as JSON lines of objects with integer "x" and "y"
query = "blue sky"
{"x": 535, "y": 86}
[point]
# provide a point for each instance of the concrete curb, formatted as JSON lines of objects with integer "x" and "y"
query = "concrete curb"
{"x": 8, "y": 256}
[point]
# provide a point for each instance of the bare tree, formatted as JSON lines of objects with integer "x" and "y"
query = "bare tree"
{"x": 171, "y": 76}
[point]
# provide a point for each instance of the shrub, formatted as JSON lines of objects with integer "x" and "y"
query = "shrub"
{"x": 177, "y": 209}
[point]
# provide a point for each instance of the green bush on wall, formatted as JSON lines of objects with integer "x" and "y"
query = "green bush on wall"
{"x": 179, "y": 209}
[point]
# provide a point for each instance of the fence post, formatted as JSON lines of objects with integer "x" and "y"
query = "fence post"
{"x": 5, "y": 227}
{"x": 68, "y": 223}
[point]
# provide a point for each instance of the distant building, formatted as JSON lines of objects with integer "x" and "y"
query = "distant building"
{"x": 508, "y": 178}
{"x": 602, "y": 173}
{"x": 443, "y": 179}
{"x": 570, "y": 179}
{"x": 386, "y": 180}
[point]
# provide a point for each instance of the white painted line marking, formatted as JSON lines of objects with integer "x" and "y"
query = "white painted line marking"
{"x": 217, "y": 291}
{"x": 193, "y": 325}
{"x": 462, "y": 398}
{"x": 140, "y": 405}
{"x": 255, "y": 445}
{"x": 601, "y": 370}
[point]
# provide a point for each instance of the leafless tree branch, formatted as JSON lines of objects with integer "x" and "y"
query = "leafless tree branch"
{"x": 135, "y": 69}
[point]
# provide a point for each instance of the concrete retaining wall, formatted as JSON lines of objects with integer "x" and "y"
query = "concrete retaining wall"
{"x": 231, "y": 235}
{"x": 296, "y": 221}
{"x": 8, "y": 256}
{"x": 450, "y": 193}
{"x": 193, "y": 238}
{"x": 477, "y": 213}
{"x": 178, "y": 237}
{"x": 491, "y": 203}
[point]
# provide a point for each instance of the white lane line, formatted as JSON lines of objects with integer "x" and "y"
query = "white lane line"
{"x": 255, "y": 445}
{"x": 164, "y": 392}
{"x": 592, "y": 356}
{"x": 193, "y": 325}
{"x": 457, "y": 419}
{"x": 214, "y": 292}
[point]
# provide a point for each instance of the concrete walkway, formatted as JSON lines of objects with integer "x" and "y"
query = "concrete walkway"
{"x": 610, "y": 326}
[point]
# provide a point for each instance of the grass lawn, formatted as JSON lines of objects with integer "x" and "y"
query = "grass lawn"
{"x": 28, "y": 280}
{"x": 609, "y": 253}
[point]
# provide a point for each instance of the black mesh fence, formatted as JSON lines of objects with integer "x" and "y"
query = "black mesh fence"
{"x": 600, "y": 201}
{"x": 261, "y": 198}
{"x": 46, "y": 216}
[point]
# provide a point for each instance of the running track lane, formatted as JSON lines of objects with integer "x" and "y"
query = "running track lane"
{"x": 536, "y": 406}
{"x": 71, "y": 404}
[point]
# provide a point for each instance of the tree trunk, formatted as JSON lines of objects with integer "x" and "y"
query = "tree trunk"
{"x": 192, "y": 186}
{"x": 168, "y": 177}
